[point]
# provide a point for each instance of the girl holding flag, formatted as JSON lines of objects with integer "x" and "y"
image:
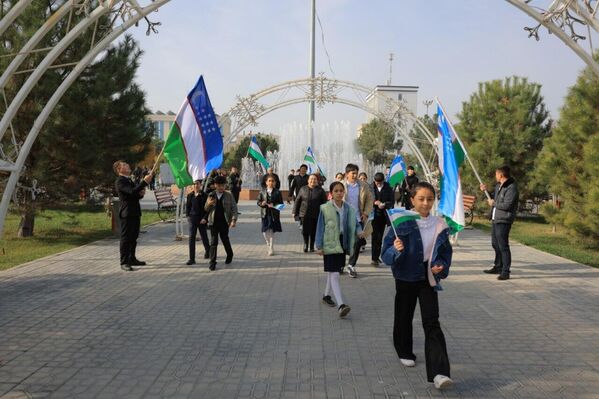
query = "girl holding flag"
{"x": 270, "y": 201}
{"x": 418, "y": 250}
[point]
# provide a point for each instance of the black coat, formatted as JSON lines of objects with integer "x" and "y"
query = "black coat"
{"x": 194, "y": 206}
{"x": 308, "y": 201}
{"x": 385, "y": 195}
{"x": 506, "y": 201}
{"x": 275, "y": 198}
{"x": 129, "y": 194}
{"x": 234, "y": 182}
{"x": 298, "y": 182}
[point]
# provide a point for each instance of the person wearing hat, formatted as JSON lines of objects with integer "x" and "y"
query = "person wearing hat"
{"x": 196, "y": 217}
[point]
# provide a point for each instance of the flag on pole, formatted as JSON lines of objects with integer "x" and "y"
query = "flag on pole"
{"x": 310, "y": 160}
{"x": 279, "y": 207}
{"x": 451, "y": 204}
{"x": 397, "y": 171}
{"x": 256, "y": 153}
{"x": 458, "y": 150}
{"x": 399, "y": 215}
{"x": 194, "y": 145}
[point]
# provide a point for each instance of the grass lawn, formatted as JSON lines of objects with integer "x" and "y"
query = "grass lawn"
{"x": 536, "y": 233}
{"x": 57, "y": 230}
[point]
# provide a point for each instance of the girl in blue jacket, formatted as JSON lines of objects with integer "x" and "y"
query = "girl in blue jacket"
{"x": 419, "y": 254}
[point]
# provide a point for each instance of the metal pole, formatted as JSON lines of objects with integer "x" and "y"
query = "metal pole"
{"x": 312, "y": 74}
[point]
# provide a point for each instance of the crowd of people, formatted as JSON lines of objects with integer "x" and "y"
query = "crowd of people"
{"x": 335, "y": 225}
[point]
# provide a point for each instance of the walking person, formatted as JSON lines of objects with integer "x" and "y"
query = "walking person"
{"x": 406, "y": 187}
{"x": 419, "y": 254}
{"x": 336, "y": 233}
{"x": 504, "y": 207}
{"x": 129, "y": 212}
{"x": 268, "y": 199}
{"x": 358, "y": 195}
{"x": 222, "y": 215}
{"x": 196, "y": 217}
{"x": 383, "y": 200}
{"x": 299, "y": 181}
{"x": 234, "y": 183}
{"x": 307, "y": 208}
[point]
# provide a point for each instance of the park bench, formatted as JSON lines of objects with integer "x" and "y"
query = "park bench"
{"x": 167, "y": 205}
{"x": 469, "y": 202}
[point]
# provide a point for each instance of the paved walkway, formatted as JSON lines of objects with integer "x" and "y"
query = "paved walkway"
{"x": 74, "y": 326}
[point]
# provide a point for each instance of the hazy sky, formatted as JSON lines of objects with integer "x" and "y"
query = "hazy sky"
{"x": 444, "y": 47}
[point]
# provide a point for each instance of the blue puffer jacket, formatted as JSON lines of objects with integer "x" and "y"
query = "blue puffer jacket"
{"x": 407, "y": 265}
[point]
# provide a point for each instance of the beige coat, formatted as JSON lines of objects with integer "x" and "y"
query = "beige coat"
{"x": 366, "y": 199}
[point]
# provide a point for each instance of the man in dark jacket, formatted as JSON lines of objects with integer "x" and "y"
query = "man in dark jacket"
{"x": 406, "y": 187}
{"x": 234, "y": 183}
{"x": 504, "y": 207}
{"x": 383, "y": 200}
{"x": 129, "y": 212}
{"x": 196, "y": 216}
{"x": 307, "y": 208}
{"x": 298, "y": 181}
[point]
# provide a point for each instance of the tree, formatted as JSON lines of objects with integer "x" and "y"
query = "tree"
{"x": 568, "y": 165}
{"x": 100, "y": 118}
{"x": 234, "y": 156}
{"x": 378, "y": 143}
{"x": 503, "y": 123}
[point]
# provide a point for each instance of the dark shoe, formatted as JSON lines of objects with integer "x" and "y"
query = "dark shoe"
{"x": 503, "y": 277}
{"x": 312, "y": 249}
{"x": 352, "y": 271}
{"x": 493, "y": 270}
{"x": 229, "y": 260}
{"x": 212, "y": 267}
{"x": 343, "y": 311}
{"x": 137, "y": 262}
{"x": 126, "y": 268}
{"x": 305, "y": 247}
{"x": 190, "y": 262}
{"x": 206, "y": 255}
{"x": 374, "y": 263}
{"x": 327, "y": 300}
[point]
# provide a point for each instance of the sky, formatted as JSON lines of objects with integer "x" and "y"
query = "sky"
{"x": 444, "y": 47}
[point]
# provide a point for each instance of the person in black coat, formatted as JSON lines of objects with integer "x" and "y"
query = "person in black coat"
{"x": 129, "y": 212}
{"x": 196, "y": 216}
{"x": 307, "y": 208}
{"x": 234, "y": 183}
{"x": 406, "y": 187}
{"x": 268, "y": 199}
{"x": 298, "y": 181}
{"x": 383, "y": 200}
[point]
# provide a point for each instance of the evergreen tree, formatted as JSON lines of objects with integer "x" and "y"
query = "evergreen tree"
{"x": 503, "y": 123}
{"x": 568, "y": 165}
{"x": 377, "y": 142}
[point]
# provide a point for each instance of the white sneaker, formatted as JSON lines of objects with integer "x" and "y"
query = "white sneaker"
{"x": 270, "y": 252}
{"x": 442, "y": 381}
{"x": 352, "y": 271}
{"x": 408, "y": 362}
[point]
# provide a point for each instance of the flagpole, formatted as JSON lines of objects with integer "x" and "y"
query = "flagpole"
{"x": 462, "y": 145}
{"x": 157, "y": 160}
{"x": 391, "y": 221}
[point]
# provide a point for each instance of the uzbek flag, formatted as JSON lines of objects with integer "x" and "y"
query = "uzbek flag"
{"x": 194, "y": 145}
{"x": 399, "y": 215}
{"x": 397, "y": 171}
{"x": 255, "y": 152}
{"x": 451, "y": 203}
{"x": 279, "y": 207}
{"x": 458, "y": 150}
{"x": 310, "y": 160}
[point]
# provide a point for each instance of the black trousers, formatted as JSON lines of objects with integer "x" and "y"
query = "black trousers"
{"x": 236, "y": 195}
{"x": 129, "y": 234}
{"x": 500, "y": 239}
{"x": 309, "y": 231}
{"x": 435, "y": 349}
{"x": 194, "y": 227}
{"x": 378, "y": 231}
{"x": 360, "y": 242}
{"x": 223, "y": 232}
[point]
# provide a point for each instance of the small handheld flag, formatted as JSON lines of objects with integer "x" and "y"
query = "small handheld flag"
{"x": 256, "y": 153}
{"x": 279, "y": 207}
{"x": 399, "y": 215}
{"x": 397, "y": 171}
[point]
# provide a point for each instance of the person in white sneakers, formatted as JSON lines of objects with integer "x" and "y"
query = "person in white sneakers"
{"x": 268, "y": 199}
{"x": 418, "y": 250}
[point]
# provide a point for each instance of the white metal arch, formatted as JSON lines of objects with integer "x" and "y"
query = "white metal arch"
{"x": 249, "y": 109}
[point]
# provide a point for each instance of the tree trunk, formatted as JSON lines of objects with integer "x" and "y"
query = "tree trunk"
{"x": 27, "y": 223}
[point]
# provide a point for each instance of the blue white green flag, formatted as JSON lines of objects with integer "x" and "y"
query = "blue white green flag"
{"x": 279, "y": 207}
{"x": 397, "y": 171}
{"x": 399, "y": 215}
{"x": 255, "y": 152}
{"x": 451, "y": 203}
{"x": 310, "y": 160}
